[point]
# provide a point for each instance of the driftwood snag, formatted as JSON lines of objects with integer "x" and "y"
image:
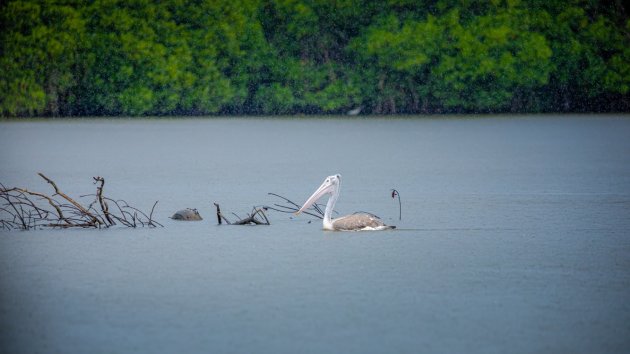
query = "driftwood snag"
{"x": 24, "y": 209}
{"x": 187, "y": 214}
{"x": 256, "y": 217}
{"x": 220, "y": 216}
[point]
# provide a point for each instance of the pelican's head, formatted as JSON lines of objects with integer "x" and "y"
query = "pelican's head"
{"x": 330, "y": 185}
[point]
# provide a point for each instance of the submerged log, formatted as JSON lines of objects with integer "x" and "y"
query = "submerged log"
{"x": 187, "y": 214}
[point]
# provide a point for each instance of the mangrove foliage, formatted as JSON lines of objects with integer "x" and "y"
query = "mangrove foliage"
{"x": 196, "y": 57}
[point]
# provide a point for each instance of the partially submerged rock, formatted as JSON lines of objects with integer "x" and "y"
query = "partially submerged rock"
{"x": 187, "y": 214}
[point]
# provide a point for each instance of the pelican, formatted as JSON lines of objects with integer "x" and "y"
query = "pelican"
{"x": 354, "y": 222}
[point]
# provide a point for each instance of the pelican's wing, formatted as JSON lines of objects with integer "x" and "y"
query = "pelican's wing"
{"x": 357, "y": 222}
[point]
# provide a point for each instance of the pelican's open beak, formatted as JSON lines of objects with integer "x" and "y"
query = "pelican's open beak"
{"x": 326, "y": 187}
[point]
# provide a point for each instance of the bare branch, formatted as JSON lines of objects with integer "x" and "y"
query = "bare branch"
{"x": 220, "y": 215}
{"x": 101, "y": 201}
{"x": 64, "y": 196}
{"x": 23, "y": 209}
{"x": 250, "y": 219}
{"x": 292, "y": 207}
{"x": 395, "y": 193}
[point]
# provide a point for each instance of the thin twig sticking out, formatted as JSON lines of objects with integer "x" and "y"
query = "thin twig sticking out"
{"x": 291, "y": 207}
{"x": 102, "y": 202}
{"x": 394, "y": 194}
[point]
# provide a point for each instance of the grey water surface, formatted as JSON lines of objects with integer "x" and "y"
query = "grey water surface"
{"x": 514, "y": 238}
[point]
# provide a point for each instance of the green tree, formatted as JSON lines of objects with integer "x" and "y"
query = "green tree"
{"x": 590, "y": 42}
{"x": 137, "y": 62}
{"x": 196, "y": 57}
{"x": 39, "y": 57}
{"x": 492, "y": 57}
{"x": 308, "y": 41}
{"x": 473, "y": 64}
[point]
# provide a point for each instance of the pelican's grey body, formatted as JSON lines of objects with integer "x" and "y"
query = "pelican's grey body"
{"x": 356, "y": 222}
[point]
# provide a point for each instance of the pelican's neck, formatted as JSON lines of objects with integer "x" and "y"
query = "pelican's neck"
{"x": 330, "y": 205}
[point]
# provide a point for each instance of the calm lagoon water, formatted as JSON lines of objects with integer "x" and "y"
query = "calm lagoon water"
{"x": 515, "y": 237}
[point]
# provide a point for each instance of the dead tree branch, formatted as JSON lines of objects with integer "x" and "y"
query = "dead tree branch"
{"x": 25, "y": 209}
{"x": 256, "y": 217}
{"x": 101, "y": 201}
{"x": 291, "y": 207}
{"x": 220, "y": 215}
{"x": 64, "y": 196}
